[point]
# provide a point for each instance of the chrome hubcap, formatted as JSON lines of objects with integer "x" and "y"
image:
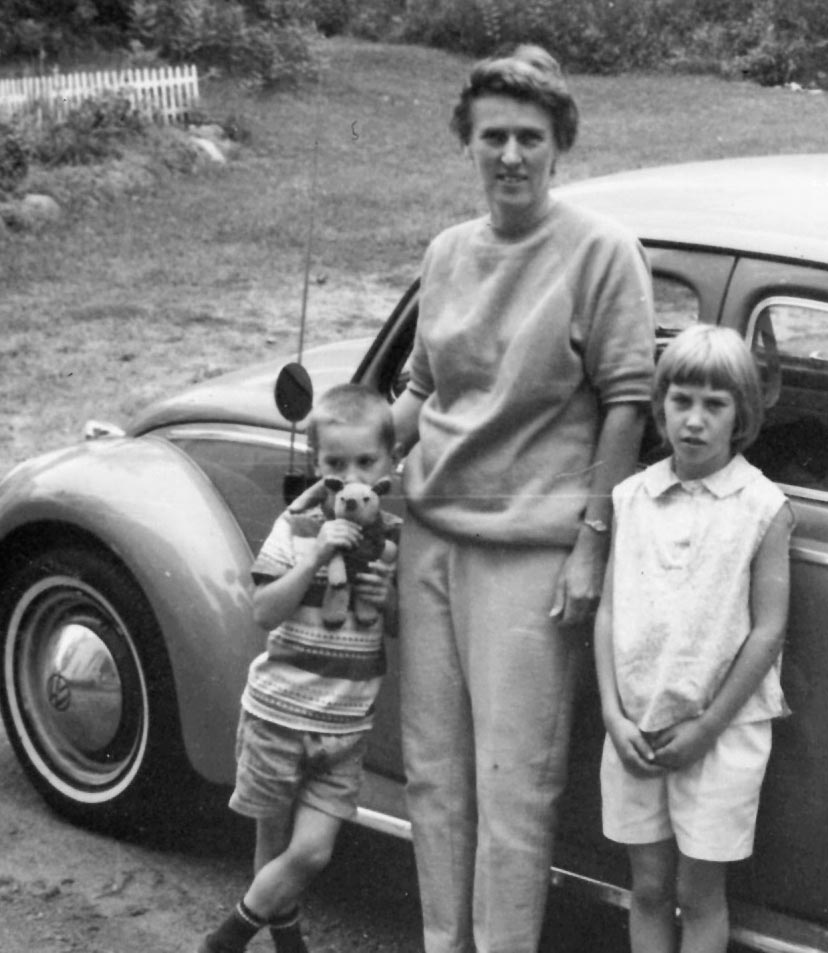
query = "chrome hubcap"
{"x": 81, "y": 694}
{"x": 76, "y": 694}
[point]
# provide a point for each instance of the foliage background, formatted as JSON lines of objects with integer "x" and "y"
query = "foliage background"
{"x": 769, "y": 41}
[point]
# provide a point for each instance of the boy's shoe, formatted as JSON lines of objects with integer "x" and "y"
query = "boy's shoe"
{"x": 235, "y": 933}
{"x": 209, "y": 945}
{"x": 288, "y": 940}
{"x": 286, "y": 934}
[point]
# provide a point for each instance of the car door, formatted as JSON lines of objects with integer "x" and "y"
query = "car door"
{"x": 689, "y": 287}
{"x": 789, "y": 869}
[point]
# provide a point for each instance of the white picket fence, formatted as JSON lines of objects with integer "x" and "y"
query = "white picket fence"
{"x": 163, "y": 93}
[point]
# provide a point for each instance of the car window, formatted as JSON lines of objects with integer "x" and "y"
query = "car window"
{"x": 247, "y": 475}
{"x": 793, "y": 445}
{"x": 676, "y": 305}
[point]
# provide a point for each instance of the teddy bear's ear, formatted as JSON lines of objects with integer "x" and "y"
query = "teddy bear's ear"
{"x": 382, "y": 486}
{"x": 334, "y": 484}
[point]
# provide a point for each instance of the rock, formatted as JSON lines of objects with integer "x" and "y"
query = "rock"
{"x": 11, "y": 215}
{"x": 229, "y": 148}
{"x": 210, "y": 149}
{"x": 211, "y": 131}
{"x": 31, "y": 213}
{"x": 36, "y": 211}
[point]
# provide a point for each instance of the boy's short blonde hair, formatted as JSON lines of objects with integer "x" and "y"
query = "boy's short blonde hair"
{"x": 709, "y": 356}
{"x": 351, "y": 404}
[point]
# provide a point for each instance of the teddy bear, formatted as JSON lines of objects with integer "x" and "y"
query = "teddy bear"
{"x": 360, "y": 504}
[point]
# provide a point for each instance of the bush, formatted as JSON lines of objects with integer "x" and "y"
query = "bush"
{"x": 591, "y": 35}
{"x": 765, "y": 41}
{"x": 330, "y": 17}
{"x": 770, "y": 41}
{"x": 372, "y": 19}
{"x": 13, "y": 162}
{"x": 272, "y": 49}
{"x": 44, "y": 28}
{"x": 776, "y": 60}
{"x": 270, "y": 42}
{"x": 95, "y": 129}
{"x": 376, "y": 19}
{"x": 275, "y": 57}
{"x": 781, "y": 44}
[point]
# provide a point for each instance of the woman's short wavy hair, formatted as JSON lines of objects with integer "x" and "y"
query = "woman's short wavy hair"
{"x": 525, "y": 72}
{"x": 708, "y": 356}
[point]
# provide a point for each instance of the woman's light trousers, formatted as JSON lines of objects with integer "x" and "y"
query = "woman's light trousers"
{"x": 487, "y": 688}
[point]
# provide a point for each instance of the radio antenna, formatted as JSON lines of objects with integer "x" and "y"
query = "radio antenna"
{"x": 294, "y": 380}
{"x": 311, "y": 217}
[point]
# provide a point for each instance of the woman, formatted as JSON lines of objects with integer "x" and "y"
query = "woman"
{"x": 530, "y": 378}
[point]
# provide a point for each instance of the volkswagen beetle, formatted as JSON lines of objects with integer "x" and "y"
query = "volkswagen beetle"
{"x": 125, "y": 622}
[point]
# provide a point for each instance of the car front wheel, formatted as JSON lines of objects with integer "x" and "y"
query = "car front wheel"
{"x": 88, "y": 699}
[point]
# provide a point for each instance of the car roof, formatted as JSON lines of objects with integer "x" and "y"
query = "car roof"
{"x": 766, "y": 205}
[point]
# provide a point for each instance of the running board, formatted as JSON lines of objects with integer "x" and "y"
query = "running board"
{"x": 753, "y": 927}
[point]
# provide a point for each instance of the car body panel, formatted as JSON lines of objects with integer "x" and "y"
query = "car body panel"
{"x": 714, "y": 204}
{"x": 196, "y": 580}
{"x": 246, "y": 396}
{"x": 789, "y": 869}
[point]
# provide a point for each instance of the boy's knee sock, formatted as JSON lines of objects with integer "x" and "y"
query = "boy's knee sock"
{"x": 287, "y": 937}
{"x": 235, "y": 933}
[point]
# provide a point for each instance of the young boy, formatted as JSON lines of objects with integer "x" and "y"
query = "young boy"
{"x": 309, "y": 699}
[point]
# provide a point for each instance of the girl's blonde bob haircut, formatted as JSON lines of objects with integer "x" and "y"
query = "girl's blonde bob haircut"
{"x": 708, "y": 356}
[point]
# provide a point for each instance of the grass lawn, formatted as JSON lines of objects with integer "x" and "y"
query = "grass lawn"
{"x": 132, "y": 299}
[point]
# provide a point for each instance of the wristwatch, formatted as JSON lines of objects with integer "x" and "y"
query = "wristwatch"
{"x": 597, "y": 526}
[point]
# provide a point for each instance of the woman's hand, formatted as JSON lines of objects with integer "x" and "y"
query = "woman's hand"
{"x": 633, "y": 748}
{"x": 374, "y": 587}
{"x": 682, "y": 744}
{"x": 580, "y": 582}
{"x": 579, "y": 585}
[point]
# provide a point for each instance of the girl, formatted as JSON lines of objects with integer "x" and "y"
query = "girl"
{"x": 688, "y": 642}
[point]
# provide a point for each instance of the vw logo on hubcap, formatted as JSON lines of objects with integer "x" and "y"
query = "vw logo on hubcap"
{"x": 58, "y": 692}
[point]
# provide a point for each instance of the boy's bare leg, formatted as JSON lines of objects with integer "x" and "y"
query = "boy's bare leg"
{"x": 701, "y": 896}
{"x": 286, "y": 860}
{"x": 653, "y": 927}
{"x": 272, "y": 838}
{"x": 282, "y": 876}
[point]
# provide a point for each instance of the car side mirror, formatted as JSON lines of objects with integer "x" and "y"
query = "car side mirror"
{"x": 293, "y": 394}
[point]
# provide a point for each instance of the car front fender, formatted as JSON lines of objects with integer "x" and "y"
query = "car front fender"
{"x": 146, "y": 502}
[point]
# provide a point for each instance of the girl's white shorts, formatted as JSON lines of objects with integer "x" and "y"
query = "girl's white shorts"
{"x": 709, "y": 807}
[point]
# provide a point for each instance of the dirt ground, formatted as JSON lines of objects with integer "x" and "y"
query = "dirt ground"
{"x": 66, "y": 890}
{"x": 108, "y": 368}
